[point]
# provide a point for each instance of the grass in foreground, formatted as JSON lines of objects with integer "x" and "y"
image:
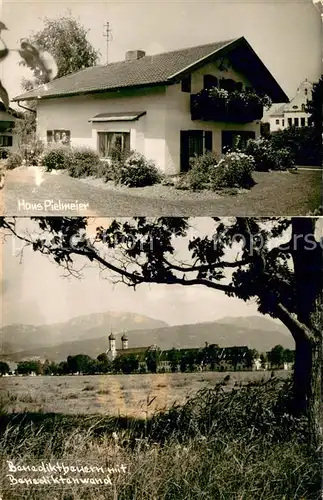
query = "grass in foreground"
{"x": 242, "y": 445}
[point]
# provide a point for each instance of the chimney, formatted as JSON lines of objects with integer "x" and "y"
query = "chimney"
{"x": 132, "y": 55}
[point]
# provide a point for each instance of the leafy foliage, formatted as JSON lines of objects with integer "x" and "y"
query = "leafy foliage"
{"x": 268, "y": 156}
{"x": 4, "y": 153}
{"x": 14, "y": 160}
{"x": 233, "y": 170}
{"x": 134, "y": 170}
{"x": 66, "y": 40}
{"x": 315, "y": 107}
{"x": 42, "y": 64}
{"x": 303, "y": 143}
{"x": 126, "y": 364}
{"x": 4, "y": 368}
{"x": 57, "y": 157}
{"x": 84, "y": 162}
{"x": 199, "y": 172}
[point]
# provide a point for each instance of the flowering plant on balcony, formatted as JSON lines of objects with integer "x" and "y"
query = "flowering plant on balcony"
{"x": 245, "y": 97}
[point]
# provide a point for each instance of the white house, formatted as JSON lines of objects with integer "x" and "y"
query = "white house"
{"x": 149, "y": 104}
{"x": 293, "y": 113}
{"x": 8, "y": 140}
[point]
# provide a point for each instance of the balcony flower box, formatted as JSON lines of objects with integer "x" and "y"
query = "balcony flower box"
{"x": 221, "y": 105}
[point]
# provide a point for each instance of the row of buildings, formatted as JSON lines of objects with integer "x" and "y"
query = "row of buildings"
{"x": 169, "y": 106}
{"x": 224, "y": 358}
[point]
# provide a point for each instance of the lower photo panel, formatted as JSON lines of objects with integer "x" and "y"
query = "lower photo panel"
{"x": 161, "y": 358}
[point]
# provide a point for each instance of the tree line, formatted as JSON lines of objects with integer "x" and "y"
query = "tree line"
{"x": 182, "y": 360}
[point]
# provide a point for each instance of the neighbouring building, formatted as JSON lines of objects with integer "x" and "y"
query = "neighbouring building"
{"x": 8, "y": 140}
{"x": 293, "y": 113}
{"x": 153, "y": 104}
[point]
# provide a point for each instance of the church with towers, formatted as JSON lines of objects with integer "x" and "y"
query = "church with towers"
{"x": 113, "y": 352}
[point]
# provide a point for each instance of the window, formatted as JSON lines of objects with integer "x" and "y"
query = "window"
{"x": 193, "y": 143}
{"x": 302, "y": 122}
{"x": 290, "y": 122}
{"x": 229, "y": 84}
{"x": 5, "y": 140}
{"x": 109, "y": 141}
{"x": 59, "y": 137}
{"x": 186, "y": 83}
{"x": 283, "y": 122}
{"x": 231, "y": 139}
{"x": 305, "y": 91}
{"x": 277, "y": 122}
{"x": 210, "y": 81}
{"x": 303, "y": 107}
{"x": 296, "y": 122}
{"x": 295, "y": 107}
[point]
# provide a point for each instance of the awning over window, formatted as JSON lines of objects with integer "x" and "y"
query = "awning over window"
{"x": 124, "y": 116}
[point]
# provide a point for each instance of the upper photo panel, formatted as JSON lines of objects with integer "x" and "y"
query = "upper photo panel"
{"x": 161, "y": 108}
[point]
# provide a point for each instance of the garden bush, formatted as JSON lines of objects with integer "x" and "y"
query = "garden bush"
{"x": 32, "y": 151}
{"x": 267, "y": 156}
{"x": 233, "y": 170}
{"x": 4, "y": 153}
{"x": 199, "y": 173}
{"x": 135, "y": 171}
{"x": 261, "y": 151}
{"x": 57, "y": 158}
{"x": 84, "y": 162}
{"x": 305, "y": 144}
{"x": 14, "y": 160}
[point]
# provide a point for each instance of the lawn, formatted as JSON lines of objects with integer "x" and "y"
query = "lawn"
{"x": 275, "y": 193}
{"x": 128, "y": 395}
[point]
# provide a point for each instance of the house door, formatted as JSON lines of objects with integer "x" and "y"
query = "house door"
{"x": 193, "y": 143}
{"x": 231, "y": 139}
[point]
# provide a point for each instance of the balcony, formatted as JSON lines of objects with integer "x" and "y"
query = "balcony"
{"x": 223, "y": 106}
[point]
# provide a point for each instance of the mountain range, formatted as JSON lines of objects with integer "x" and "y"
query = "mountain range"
{"x": 89, "y": 335}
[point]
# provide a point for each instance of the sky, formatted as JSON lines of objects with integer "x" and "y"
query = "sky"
{"x": 286, "y": 34}
{"x": 34, "y": 290}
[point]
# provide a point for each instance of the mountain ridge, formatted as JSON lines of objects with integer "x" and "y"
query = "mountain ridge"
{"x": 225, "y": 332}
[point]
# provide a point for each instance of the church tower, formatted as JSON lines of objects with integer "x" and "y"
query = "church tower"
{"x": 124, "y": 341}
{"x": 112, "y": 352}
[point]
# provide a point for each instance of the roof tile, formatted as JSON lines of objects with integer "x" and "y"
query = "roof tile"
{"x": 144, "y": 71}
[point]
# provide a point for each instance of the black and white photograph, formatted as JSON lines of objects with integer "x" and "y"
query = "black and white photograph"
{"x": 161, "y": 243}
{"x": 161, "y": 358}
{"x": 161, "y": 108}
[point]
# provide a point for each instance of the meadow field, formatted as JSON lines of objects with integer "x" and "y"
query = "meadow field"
{"x": 129, "y": 395}
{"x": 235, "y": 441}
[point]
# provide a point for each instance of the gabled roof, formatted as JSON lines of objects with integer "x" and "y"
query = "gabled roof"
{"x": 165, "y": 68}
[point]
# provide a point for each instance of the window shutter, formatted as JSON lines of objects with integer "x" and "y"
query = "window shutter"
{"x": 208, "y": 141}
{"x": 184, "y": 152}
{"x": 49, "y": 136}
{"x": 210, "y": 81}
{"x": 186, "y": 83}
{"x": 101, "y": 143}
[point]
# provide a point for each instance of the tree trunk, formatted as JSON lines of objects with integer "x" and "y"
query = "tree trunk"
{"x": 315, "y": 397}
{"x": 307, "y": 260}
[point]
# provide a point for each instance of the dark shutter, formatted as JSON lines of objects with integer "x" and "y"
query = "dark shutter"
{"x": 210, "y": 81}
{"x": 208, "y": 140}
{"x": 186, "y": 83}
{"x": 49, "y": 136}
{"x": 184, "y": 154}
{"x": 227, "y": 140}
